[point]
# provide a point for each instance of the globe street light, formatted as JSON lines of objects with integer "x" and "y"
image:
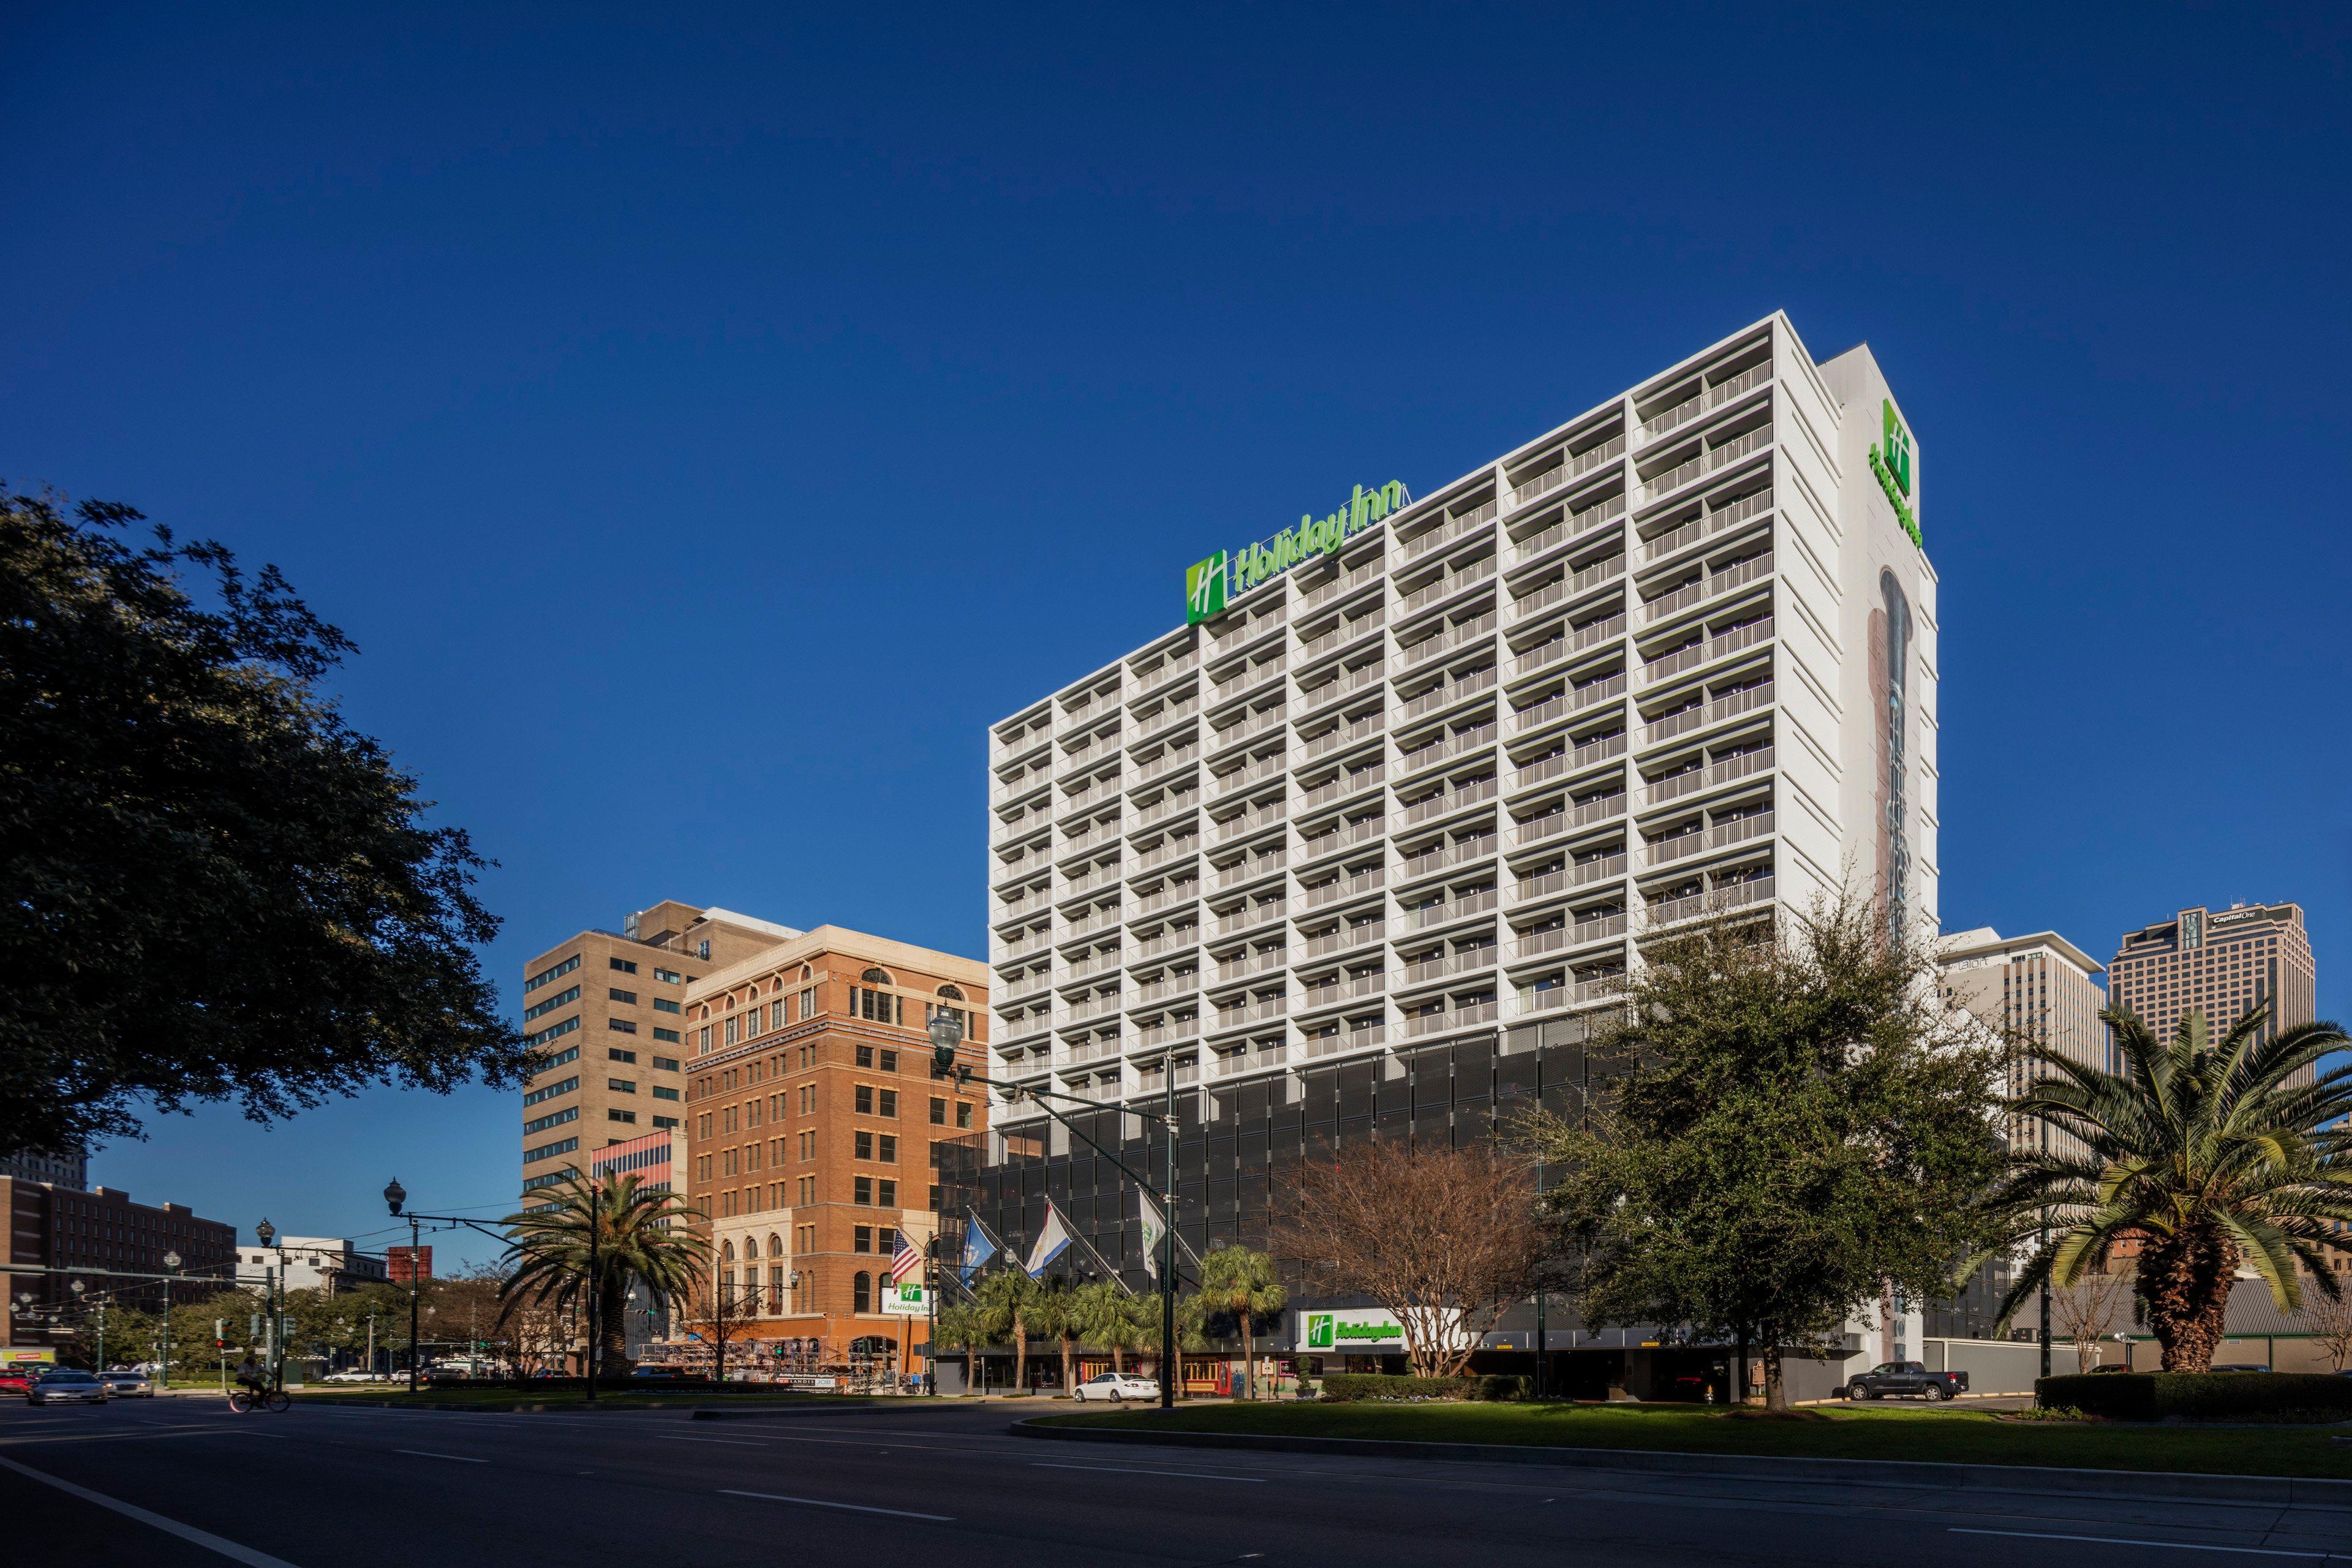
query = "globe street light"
{"x": 171, "y": 1267}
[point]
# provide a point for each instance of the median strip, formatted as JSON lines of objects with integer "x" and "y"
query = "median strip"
{"x": 845, "y": 1506}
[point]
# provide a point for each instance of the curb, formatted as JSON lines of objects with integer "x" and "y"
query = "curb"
{"x": 2160, "y": 1485}
{"x": 774, "y": 1412}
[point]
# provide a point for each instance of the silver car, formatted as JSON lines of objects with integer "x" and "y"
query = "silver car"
{"x": 126, "y": 1385}
{"x": 66, "y": 1387}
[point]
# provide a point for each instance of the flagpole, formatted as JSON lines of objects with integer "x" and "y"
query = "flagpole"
{"x": 1169, "y": 1369}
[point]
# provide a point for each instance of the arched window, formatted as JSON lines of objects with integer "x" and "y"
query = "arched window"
{"x": 882, "y": 1007}
{"x": 727, "y": 1252}
{"x": 877, "y": 977}
{"x": 861, "y": 1292}
{"x": 775, "y": 1245}
{"x": 750, "y": 1247}
{"x": 951, "y": 993}
{"x": 808, "y": 972}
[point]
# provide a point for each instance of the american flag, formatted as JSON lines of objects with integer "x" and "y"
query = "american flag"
{"x": 904, "y": 1262}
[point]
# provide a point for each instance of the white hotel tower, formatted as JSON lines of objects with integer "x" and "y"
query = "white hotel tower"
{"x": 1677, "y": 653}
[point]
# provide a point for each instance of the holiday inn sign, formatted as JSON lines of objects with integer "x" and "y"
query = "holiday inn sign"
{"x": 1213, "y": 584}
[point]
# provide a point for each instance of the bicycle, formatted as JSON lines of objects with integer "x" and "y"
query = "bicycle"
{"x": 276, "y": 1400}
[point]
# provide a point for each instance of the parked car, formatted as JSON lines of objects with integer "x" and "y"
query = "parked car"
{"x": 127, "y": 1385}
{"x": 659, "y": 1374}
{"x": 2238, "y": 1367}
{"x": 1902, "y": 1378}
{"x": 1116, "y": 1387}
{"x": 353, "y": 1374}
{"x": 2108, "y": 1366}
{"x": 66, "y": 1386}
{"x": 17, "y": 1379}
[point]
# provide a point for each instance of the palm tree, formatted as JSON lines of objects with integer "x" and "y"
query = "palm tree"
{"x": 1050, "y": 1315}
{"x": 1241, "y": 1282}
{"x": 639, "y": 1233}
{"x": 1004, "y": 1301}
{"x": 1103, "y": 1313}
{"x": 961, "y": 1325}
{"x": 2208, "y": 1154}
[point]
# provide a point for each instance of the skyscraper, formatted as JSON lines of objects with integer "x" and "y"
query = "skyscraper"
{"x": 1425, "y": 767}
{"x": 2040, "y": 989}
{"x": 2221, "y": 963}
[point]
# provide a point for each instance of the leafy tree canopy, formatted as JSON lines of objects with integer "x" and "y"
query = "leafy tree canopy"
{"x": 216, "y": 887}
{"x": 1803, "y": 1124}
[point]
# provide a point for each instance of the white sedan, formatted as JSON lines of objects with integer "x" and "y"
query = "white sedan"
{"x": 1116, "y": 1387}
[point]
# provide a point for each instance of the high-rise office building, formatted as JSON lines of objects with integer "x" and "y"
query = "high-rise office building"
{"x": 606, "y": 1013}
{"x": 69, "y": 1171}
{"x": 2220, "y": 962}
{"x": 2040, "y": 989}
{"x": 812, "y": 1115}
{"x": 1426, "y": 766}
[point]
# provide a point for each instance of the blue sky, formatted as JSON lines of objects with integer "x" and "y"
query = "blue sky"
{"x": 705, "y": 423}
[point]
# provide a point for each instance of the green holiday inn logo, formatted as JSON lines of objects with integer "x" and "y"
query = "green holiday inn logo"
{"x": 1324, "y": 1331}
{"x": 1890, "y": 461}
{"x": 1204, "y": 589}
{"x": 1318, "y": 1330}
{"x": 1225, "y": 576}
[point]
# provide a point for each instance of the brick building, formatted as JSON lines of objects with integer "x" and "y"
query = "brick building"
{"x": 2220, "y": 962}
{"x": 605, "y": 1011}
{"x": 812, "y": 1113}
{"x": 100, "y": 1234}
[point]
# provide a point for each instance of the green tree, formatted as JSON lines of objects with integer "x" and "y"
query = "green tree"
{"x": 961, "y": 1325}
{"x": 216, "y": 888}
{"x": 1802, "y": 1124}
{"x": 1241, "y": 1283}
{"x": 1004, "y": 1300}
{"x": 1104, "y": 1314}
{"x": 1052, "y": 1315}
{"x": 594, "y": 1244}
{"x": 2207, "y": 1152}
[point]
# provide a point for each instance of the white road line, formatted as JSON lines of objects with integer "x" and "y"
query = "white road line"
{"x": 845, "y": 1507}
{"x": 460, "y": 1459}
{"x": 211, "y": 1542}
{"x": 1124, "y": 1470}
{"x": 2174, "y": 1545}
{"x": 731, "y": 1442}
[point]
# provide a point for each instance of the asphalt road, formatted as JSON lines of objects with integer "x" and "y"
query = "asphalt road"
{"x": 169, "y": 1482}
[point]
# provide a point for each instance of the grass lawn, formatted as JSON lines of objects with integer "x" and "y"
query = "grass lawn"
{"x": 507, "y": 1398}
{"x": 1957, "y": 1436}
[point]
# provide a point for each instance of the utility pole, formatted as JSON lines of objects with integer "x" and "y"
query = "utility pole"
{"x": 1171, "y": 1369}
{"x": 596, "y": 1283}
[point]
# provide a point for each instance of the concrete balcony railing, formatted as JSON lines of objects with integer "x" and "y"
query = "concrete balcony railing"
{"x": 1451, "y": 1019}
{"x": 1446, "y": 586}
{"x": 1707, "y": 651}
{"x": 1706, "y": 527}
{"x": 1345, "y": 887}
{"x": 1579, "y": 582}
{"x": 1573, "y": 526}
{"x": 1705, "y": 463}
{"x": 1536, "y": 945}
{"x": 1451, "y": 529}
{"x": 1345, "y": 939}
{"x": 1725, "y": 897}
{"x": 1697, "y": 779}
{"x": 1574, "y": 468}
{"x": 1713, "y": 398}
{"x": 1449, "y": 801}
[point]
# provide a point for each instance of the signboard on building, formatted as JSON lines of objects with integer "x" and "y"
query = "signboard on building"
{"x": 905, "y": 1299}
{"x": 21, "y": 1355}
{"x": 1224, "y": 577}
{"x": 1364, "y": 1330}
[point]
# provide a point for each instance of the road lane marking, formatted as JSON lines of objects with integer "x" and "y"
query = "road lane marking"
{"x": 460, "y": 1459}
{"x": 731, "y": 1442}
{"x": 2172, "y": 1545}
{"x": 845, "y": 1507}
{"x": 206, "y": 1538}
{"x": 1125, "y": 1471}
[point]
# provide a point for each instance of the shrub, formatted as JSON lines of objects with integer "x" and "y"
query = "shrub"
{"x": 1343, "y": 1387}
{"x": 2196, "y": 1395}
{"x": 1498, "y": 1389}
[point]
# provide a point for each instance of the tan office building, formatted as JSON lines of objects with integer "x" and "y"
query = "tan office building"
{"x": 2221, "y": 963}
{"x": 2039, "y": 988}
{"x": 606, "y": 1013}
{"x": 813, "y": 1114}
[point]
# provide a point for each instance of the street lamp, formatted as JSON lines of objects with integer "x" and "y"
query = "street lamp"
{"x": 273, "y": 1299}
{"x": 171, "y": 1267}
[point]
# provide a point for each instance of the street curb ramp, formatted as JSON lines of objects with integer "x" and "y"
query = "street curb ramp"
{"x": 2163, "y": 1485}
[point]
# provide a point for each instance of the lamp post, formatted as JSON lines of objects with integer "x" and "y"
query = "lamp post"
{"x": 267, "y": 1233}
{"x": 395, "y": 1195}
{"x": 171, "y": 1267}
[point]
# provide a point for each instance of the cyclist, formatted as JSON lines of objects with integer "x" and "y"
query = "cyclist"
{"x": 250, "y": 1375}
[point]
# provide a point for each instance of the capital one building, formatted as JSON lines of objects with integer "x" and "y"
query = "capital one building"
{"x": 1415, "y": 774}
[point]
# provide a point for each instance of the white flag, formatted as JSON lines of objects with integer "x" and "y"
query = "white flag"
{"x": 1051, "y": 1241}
{"x": 1154, "y": 1228}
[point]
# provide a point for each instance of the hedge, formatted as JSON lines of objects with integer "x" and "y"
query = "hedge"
{"x": 2193, "y": 1395}
{"x": 1342, "y": 1388}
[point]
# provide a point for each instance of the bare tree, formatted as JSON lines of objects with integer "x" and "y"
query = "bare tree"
{"x": 2088, "y": 1311}
{"x": 2330, "y": 1321}
{"x": 718, "y": 1311}
{"x": 1445, "y": 1239}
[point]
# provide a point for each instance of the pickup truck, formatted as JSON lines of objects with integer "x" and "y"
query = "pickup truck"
{"x": 1905, "y": 1377}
